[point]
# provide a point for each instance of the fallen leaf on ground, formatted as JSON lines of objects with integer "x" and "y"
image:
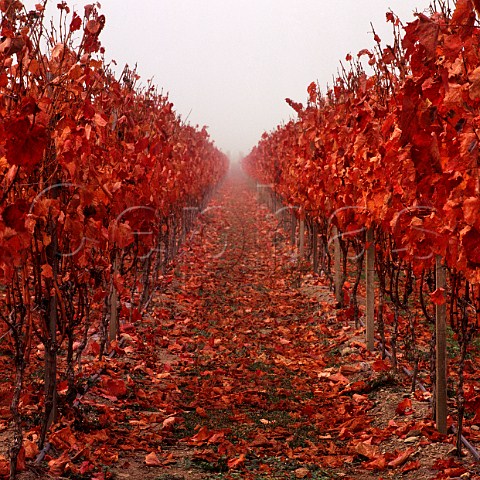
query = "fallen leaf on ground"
{"x": 235, "y": 462}
{"x": 409, "y": 467}
{"x": 367, "y": 450}
{"x": 401, "y": 458}
{"x": 4, "y": 466}
{"x": 152, "y": 460}
{"x": 58, "y": 466}
{"x": 302, "y": 473}
{"x": 404, "y": 407}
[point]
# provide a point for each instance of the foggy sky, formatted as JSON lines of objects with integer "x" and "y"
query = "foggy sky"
{"x": 230, "y": 64}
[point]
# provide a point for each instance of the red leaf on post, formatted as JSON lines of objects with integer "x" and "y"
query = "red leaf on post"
{"x": 438, "y": 296}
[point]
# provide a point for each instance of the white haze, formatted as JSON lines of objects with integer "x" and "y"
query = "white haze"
{"x": 230, "y": 64}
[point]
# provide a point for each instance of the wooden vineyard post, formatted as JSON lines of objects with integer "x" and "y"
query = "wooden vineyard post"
{"x": 441, "y": 352}
{"x": 315, "y": 246}
{"x": 301, "y": 241}
{"x": 114, "y": 325}
{"x": 293, "y": 227}
{"x": 370, "y": 280}
{"x": 338, "y": 267}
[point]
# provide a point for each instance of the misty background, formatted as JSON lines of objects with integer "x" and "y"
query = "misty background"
{"x": 230, "y": 64}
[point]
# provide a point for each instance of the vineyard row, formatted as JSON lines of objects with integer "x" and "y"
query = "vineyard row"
{"x": 100, "y": 181}
{"x": 384, "y": 167}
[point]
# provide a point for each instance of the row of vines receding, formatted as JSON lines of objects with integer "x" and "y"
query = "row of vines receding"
{"x": 100, "y": 180}
{"x": 388, "y": 163}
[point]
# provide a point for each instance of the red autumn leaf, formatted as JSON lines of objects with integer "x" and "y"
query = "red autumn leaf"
{"x": 401, "y": 458}
{"x": 367, "y": 450}
{"x": 25, "y": 144}
{"x": 438, "y": 296}
{"x": 14, "y": 215}
{"x": 47, "y": 271}
{"x": 463, "y": 12}
{"x": 411, "y": 466}
{"x": 115, "y": 387}
{"x": 261, "y": 441}
{"x": 446, "y": 463}
{"x": 217, "y": 437}
{"x": 31, "y": 449}
{"x": 99, "y": 120}
{"x": 76, "y": 23}
{"x": 21, "y": 466}
{"x": 121, "y": 234}
{"x": 302, "y": 472}
{"x": 312, "y": 92}
{"x": 455, "y": 472}
{"x": 58, "y": 466}
{"x": 201, "y": 412}
{"x": 404, "y": 407}
{"x": 86, "y": 467}
{"x": 203, "y": 435}
{"x": 98, "y": 476}
{"x": 298, "y": 107}
{"x": 152, "y": 460}
{"x": 378, "y": 463}
{"x": 4, "y": 466}
{"x": 360, "y": 386}
{"x": 350, "y": 369}
{"x": 236, "y": 462}
{"x": 3, "y": 80}
{"x": 364, "y": 52}
{"x": 64, "y": 439}
{"x": 339, "y": 378}
{"x": 472, "y": 246}
{"x": 471, "y": 210}
{"x": 381, "y": 366}
{"x": 11, "y": 46}
{"x": 169, "y": 422}
{"x": 95, "y": 348}
{"x": 93, "y": 26}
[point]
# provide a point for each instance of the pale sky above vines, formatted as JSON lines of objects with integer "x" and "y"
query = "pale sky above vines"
{"x": 230, "y": 64}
